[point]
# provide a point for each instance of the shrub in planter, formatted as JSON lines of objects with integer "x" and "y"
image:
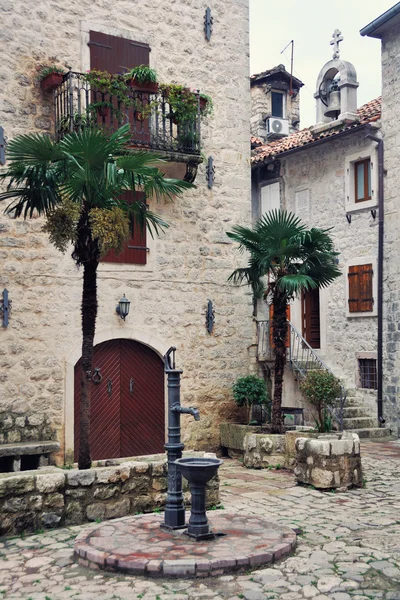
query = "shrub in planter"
{"x": 142, "y": 78}
{"x": 50, "y": 78}
{"x": 248, "y": 391}
{"x": 323, "y": 390}
{"x": 206, "y": 105}
{"x": 108, "y": 83}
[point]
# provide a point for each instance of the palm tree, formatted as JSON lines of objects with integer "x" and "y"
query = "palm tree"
{"x": 78, "y": 185}
{"x": 285, "y": 259}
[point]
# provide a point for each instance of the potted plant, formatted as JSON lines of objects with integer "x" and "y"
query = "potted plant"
{"x": 182, "y": 102}
{"x": 108, "y": 84}
{"x": 206, "y": 105}
{"x": 50, "y": 78}
{"x": 250, "y": 391}
{"x": 143, "y": 79}
{"x": 102, "y": 108}
{"x": 323, "y": 390}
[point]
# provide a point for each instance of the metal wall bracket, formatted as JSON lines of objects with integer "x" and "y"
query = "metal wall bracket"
{"x": 208, "y": 23}
{"x": 373, "y": 213}
{"x": 2, "y": 147}
{"x": 5, "y": 307}
{"x": 210, "y": 172}
{"x": 348, "y": 217}
{"x": 210, "y": 317}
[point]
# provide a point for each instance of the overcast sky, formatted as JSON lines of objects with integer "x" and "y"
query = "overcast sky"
{"x": 310, "y": 23}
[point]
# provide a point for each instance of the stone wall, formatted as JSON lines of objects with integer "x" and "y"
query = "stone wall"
{"x": 320, "y": 174}
{"x": 52, "y": 497}
{"x": 391, "y": 314}
{"x": 188, "y": 265}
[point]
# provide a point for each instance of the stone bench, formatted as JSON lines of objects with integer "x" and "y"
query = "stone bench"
{"x": 26, "y": 456}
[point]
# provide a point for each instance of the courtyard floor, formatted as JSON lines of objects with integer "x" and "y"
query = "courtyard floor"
{"x": 348, "y": 548}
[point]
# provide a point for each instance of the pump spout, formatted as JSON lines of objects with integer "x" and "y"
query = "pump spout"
{"x": 187, "y": 410}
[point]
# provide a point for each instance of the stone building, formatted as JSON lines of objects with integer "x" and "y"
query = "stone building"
{"x": 386, "y": 27}
{"x": 328, "y": 176}
{"x": 168, "y": 280}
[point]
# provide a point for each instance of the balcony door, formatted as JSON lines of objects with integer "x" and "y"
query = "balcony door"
{"x": 117, "y": 55}
{"x": 310, "y": 310}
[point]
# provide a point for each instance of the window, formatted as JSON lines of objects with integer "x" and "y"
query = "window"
{"x": 362, "y": 180}
{"x": 135, "y": 251}
{"x": 270, "y": 197}
{"x": 360, "y": 298}
{"x": 367, "y": 373}
{"x": 278, "y": 104}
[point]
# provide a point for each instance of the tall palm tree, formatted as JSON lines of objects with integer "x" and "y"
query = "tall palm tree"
{"x": 78, "y": 185}
{"x": 285, "y": 259}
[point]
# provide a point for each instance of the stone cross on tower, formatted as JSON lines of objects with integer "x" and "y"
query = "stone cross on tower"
{"x": 335, "y": 41}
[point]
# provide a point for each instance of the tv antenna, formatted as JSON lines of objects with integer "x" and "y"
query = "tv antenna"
{"x": 291, "y": 43}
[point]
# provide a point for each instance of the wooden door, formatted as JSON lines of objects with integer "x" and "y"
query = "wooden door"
{"x": 127, "y": 407}
{"x": 310, "y": 317}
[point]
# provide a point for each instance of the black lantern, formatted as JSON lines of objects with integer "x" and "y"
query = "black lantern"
{"x": 123, "y": 307}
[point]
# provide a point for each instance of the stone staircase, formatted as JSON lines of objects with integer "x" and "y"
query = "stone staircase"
{"x": 359, "y": 416}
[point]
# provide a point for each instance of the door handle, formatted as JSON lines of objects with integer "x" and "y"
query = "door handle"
{"x": 109, "y": 386}
{"x": 131, "y": 384}
{"x": 97, "y": 376}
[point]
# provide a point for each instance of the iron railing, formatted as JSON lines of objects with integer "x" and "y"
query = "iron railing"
{"x": 79, "y": 105}
{"x": 301, "y": 359}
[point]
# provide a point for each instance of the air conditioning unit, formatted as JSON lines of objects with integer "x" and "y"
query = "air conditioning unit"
{"x": 277, "y": 127}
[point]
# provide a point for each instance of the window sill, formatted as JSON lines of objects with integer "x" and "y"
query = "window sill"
{"x": 357, "y": 315}
{"x": 360, "y": 207}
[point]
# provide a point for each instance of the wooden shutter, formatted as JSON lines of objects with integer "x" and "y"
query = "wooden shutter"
{"x": 135, "y": 251}
{"x": 360, "y": 288}
{"x": 115, "y": 55}
{"x": 271, "y": 314}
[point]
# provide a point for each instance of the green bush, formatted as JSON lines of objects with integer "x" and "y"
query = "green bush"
{"x": 250, "y": 390}
{"x": 323, "y": 390}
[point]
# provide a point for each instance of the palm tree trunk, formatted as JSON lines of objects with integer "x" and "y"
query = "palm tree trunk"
{"x": 279, "y": 328}
{"x": 89, "y": 313}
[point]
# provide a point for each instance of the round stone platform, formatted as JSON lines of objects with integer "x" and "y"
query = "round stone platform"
{"x": 138, "y": 546}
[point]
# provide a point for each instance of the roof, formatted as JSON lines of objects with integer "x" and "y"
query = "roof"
{"x": 381, "y": 24}
{"x": 279, "y": 71}
{"x": 368, "y": 113}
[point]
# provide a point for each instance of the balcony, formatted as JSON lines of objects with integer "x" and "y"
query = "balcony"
{"x": 154, "y": 126}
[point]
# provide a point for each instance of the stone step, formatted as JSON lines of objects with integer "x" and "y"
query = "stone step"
{"x": 371, "y": 432}
{"x": 351, "y": 412}
{"x": 359, "y": 423}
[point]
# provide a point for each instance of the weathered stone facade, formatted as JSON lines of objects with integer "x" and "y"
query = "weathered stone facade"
{"x": 52, "y": 497}
{"x": 187, "y": 265}
{"x": 391, "y": 291}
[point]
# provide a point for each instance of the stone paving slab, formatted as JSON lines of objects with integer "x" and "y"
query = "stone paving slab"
{"x": 138, "y": 546}
{"x": 349, "y": 548}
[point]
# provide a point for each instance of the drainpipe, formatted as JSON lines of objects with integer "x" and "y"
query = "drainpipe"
{"x": 379, "y": 141}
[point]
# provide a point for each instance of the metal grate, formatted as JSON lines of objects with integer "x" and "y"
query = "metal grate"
{"x": 368, "y": 373}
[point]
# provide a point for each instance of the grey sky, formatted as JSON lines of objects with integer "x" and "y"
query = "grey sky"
{"x": 311, "y": 24}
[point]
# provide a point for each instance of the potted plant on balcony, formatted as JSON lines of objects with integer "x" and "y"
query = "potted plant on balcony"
{"x": 102, "y": 108}
{"x": 142, "y": 79}
{"x": 108, "y": 84}
{"x": 182, "y": 102}
{"x": 50, "y": 78}
{"x": 206, "y": 105}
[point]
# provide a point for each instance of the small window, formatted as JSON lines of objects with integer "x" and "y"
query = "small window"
{"x": 270, "y": 197}
{"x": 362, "y": 180}
{"x": 277, "y": 99}
{"x": 368, "y": 373}
{"x": 360, "y": 288}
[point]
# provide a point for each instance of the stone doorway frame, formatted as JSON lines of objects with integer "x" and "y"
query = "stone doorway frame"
{"x": 112, "y": 333}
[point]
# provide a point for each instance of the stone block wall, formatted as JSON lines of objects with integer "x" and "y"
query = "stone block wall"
{"x": 331, "y": 461}
{"x": 52, "y": 497}
{"x": 261, "y": 109}
{"x": 188, "y": 264}
{"x": 391, "y": 314}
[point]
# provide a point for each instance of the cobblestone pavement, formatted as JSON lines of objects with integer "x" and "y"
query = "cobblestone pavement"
{"x": 349, "y": 548}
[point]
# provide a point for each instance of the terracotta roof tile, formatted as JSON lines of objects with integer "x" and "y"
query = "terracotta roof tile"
{"x": 369, "y": 113}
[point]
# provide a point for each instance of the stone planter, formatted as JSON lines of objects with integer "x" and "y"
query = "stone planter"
{"x": 329, "y": 462}
{"x": 263, "y": 450}
{"x": 232, "y": 437}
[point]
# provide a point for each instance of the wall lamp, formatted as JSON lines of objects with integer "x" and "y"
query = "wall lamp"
{"x": 122, "y": 309}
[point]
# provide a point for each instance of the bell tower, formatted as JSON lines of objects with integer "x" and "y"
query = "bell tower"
{"x": 336, "y": 92}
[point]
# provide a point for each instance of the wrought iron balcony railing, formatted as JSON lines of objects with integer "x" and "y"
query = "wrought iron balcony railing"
{"x": 153, "y": 126}
{"x": 301, "y": 359}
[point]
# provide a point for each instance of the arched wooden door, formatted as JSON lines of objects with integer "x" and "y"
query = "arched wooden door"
{"x": 127, "y": 408}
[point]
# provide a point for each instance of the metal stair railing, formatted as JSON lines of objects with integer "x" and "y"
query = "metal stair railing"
{"x": 302, "y": 359}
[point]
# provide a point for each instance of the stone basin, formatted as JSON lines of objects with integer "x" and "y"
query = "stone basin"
{"x": 198, "y": 470}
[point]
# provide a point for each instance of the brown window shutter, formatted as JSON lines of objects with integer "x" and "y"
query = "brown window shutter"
{"x": 135, "y": 251}
{"x": 115, "y": 54}
{"x": 360, "y": 288}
